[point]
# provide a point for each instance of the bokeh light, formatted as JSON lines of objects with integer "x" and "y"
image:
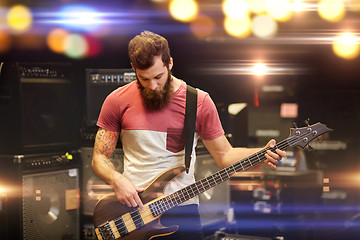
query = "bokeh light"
{"x": 346, "y": 46}
{"x": 236, "y": 9}
{"x": 264, "y": 26}
{"x": 239, "y": 27}
{"x": 331, "y": 10}
{"x": 280, "y": 10}
{"x": 56, "y": 40}
{"x": 257, "y": 6}
{"x": 94, "y": 46}
{"x": 75, "y": 46}
{"x": 202, "y": 26}
{"x": 183, "y": 10}
{"x": 19, "y": 18}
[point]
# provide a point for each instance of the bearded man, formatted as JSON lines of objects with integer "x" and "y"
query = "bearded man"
{"x": 148, "y": 116}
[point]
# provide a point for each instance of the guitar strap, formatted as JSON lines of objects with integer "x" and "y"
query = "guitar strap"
{"x": 190, "y": 119}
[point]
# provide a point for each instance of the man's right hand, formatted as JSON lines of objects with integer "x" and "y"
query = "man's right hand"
{"x": 125, "y": 191}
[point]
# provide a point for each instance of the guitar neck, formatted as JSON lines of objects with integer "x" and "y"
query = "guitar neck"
{"x": 163, "y": 204}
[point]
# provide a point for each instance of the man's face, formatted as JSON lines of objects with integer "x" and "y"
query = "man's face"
{"x": 155, "y": 84}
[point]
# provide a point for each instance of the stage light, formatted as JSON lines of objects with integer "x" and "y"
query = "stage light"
{"x": 19, "y": 18}
{"x": 78, "y": 17}
{"x": 75, "y": 46}
{"x": 264, "y": 26}
{"x": 260, "y": 69}
{"x": 239, "y": 28}
{"x": 183, "y": 10}
{"x": 280, "y": 10}
{"x": 331, "y": 10}
{"x": 202, "y": 26}
{"x": 236, "y": 9}
{"x": 298, "y": 6}
{"x": 346, "y": 45}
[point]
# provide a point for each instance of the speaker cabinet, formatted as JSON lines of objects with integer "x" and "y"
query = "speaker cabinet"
{"x": 40, "y": 197}
{"x": 39, "y": 107}
{"x": 51, "y": 205}
{"x": 215, "y": 202}
{"x": 93, "y": 187}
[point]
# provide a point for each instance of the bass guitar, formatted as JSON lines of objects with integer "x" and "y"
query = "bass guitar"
{"x": 113, "y": 220}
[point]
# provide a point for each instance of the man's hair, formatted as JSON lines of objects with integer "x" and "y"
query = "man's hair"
{"x": 144, "y": 47}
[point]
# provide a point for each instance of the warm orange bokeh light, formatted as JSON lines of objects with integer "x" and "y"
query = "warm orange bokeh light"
{"x": 55, "y": 40}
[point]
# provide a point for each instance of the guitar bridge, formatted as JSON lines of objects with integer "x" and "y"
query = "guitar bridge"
{"x": 104, "y": 232}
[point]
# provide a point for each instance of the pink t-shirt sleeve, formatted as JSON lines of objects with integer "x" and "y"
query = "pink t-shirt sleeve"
{"x": 109, "y": 114}
{"x": 208, "y": 123}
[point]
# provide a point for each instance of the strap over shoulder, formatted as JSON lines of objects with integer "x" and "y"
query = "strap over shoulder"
{"x": 189, "y": 126}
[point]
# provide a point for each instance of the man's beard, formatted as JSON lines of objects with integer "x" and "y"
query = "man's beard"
{"x": 158, "y": 98}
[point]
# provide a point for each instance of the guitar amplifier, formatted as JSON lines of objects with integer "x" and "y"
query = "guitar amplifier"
{"x": 39, "y": 107}
{"x": 42, "y": 196}
{"x": 99, "y": 84}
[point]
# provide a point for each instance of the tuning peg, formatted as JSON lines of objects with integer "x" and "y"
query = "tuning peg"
{"x": 310, "y": 147}
{"x": 295, "y": 126}
{"x": 307, "y": 122}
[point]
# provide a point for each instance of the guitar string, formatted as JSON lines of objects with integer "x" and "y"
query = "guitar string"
{"x": 283, "y": 144}
{"x": 219, "y": 175}
{"x": 216, "y": 178}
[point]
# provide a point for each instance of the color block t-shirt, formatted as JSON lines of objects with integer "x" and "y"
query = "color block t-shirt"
{"x": 153, "y": 141}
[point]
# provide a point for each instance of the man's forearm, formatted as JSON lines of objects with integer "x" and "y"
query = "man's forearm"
{"x": 105, "y": 144}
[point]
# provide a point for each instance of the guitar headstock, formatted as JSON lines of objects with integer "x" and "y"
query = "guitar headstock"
{"x": 303, "y": 136}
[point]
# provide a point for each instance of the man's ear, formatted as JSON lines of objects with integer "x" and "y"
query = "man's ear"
{"x": 171, "y": 63}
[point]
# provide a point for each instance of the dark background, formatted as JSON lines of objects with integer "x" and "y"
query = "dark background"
{"x": 325, "y": 87}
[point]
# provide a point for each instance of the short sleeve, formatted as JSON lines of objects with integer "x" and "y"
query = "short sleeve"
{"x": 208, "y": 123}
{"x": 109, "y": 117}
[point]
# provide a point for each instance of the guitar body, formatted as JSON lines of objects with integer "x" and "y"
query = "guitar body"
{"x": 109, "y": 208}
{"x": 114, "y": 220}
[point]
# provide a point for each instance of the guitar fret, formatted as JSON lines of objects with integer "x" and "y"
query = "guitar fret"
{"x": 220, "y": 177}
{"x": 249, "y": 161}
{"x": 258, "y": 157}
{"x": 202, "y": 184}
{"x": 191, "y": 196}
{"x": 197, "y": 188}
{"x": 207, "y": 182}
{"x": 241, "y": 165}
{"x": 228, "y": 176}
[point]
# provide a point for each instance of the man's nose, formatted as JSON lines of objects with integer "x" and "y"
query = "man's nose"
{"x": 153, "y": 84}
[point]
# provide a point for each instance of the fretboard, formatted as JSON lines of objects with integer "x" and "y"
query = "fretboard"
{"x": 163, "y": 204}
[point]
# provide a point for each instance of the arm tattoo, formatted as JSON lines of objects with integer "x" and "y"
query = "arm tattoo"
{"x": 105, "y": 142}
